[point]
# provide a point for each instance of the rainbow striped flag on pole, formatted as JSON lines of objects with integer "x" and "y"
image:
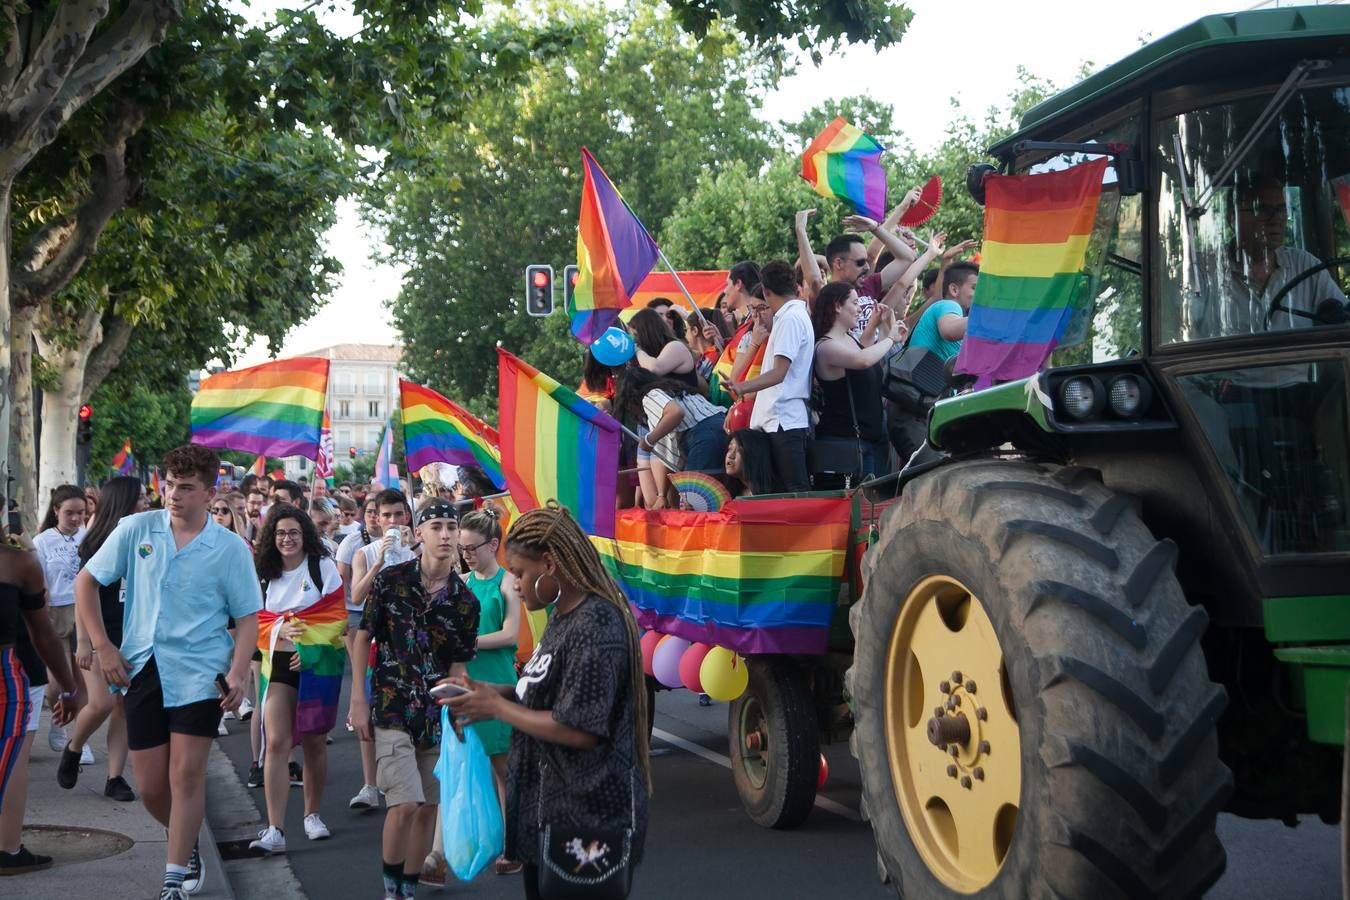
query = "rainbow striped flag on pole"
{"x": 275, "y": 409}
{"x": 556, "y": 446}
{"x": 845, "y": 162}
{"x": 614, "y": 254}
{"x": 124, "y": 463}
{"x": 1036, "y": 232}
{"x": 436, "y": 429}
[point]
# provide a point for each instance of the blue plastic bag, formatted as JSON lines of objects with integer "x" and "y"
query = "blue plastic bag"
{"x": 471, "y": 820}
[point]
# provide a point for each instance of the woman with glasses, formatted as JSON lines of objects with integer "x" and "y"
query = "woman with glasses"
{"x": 301, "y": 630}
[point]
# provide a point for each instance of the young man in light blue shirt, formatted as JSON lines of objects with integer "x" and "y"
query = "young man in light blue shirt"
{"x": 185, "y": 577}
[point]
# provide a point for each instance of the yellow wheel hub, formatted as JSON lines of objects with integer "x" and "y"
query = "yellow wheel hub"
{"x": 954, "y": 745}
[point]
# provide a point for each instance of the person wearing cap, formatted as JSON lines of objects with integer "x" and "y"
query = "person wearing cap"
{"x": 424, "y": 621}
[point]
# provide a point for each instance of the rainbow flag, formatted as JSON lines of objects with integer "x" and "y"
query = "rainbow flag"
{"x": 259, "y": 466}
{"x": 845, "y": 162}
{"x": 322, "y": 660}
{"x": 436, "y": 429}
{"x": 704, "y": 286}
{"x": 1036, "y": 232}
{"x": 124, "y": 463}
{"x": 556, "y": 446}
{"x": 154, "y": 482}
{"x": 386, "y": 472}
{"x": 758, "y": 576}
{"x": 275, "y": 409}
{"x": 721, "y": 373}
{"x": 614, "y": 254}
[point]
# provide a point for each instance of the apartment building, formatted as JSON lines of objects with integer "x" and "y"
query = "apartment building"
{"x": 362, "y": 392}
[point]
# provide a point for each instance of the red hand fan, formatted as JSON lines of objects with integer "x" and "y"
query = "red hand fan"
{"x": 927, "y": 206}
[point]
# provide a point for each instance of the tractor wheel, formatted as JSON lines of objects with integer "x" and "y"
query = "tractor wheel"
{"x": 775, "y": 744}
{"x": 1034, "y": 718}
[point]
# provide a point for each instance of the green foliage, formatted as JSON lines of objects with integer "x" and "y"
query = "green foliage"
{"x": 814, "y": 26}
{"x": 155, "y": 421}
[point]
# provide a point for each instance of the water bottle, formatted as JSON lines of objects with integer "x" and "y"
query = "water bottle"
{"x": 391, "y": 556}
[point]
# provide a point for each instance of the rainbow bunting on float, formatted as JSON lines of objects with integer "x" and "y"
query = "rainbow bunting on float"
{"x": 436, "y": 429}
{"x": 124, "y": 463}
{"x": 322, "y": 660}
{"x": 758, "y": 576}
{"x": 1036, "y": 232}
{"x": 556, "y": 446}
{"x": 275, "y": 409}
{"x": 614, "y": 254}
{"x": 845, "y": 162}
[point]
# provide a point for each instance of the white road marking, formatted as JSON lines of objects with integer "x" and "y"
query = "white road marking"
{"x": 824, "y": 803}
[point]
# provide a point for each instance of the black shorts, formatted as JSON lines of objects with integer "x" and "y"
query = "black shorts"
{"x": 149, "y": 721}
{"x": 257, "y": 655}
{"x": 281, "y": 669}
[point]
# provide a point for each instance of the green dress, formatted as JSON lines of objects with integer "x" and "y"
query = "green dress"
{"x": 496, "y": 666}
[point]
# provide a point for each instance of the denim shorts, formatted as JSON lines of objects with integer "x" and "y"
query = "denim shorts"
{"x": 705, "y": 446}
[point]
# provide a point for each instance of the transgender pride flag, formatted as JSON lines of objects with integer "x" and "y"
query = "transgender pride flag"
{"x": 386, "y": 473}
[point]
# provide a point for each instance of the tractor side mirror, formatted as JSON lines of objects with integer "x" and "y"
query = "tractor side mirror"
{"x": 975, "y": 180}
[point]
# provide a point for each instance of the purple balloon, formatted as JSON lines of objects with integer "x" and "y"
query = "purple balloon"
{"x": 666, "y": 661}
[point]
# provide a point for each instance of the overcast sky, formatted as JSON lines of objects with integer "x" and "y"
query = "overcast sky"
{"x": 948, "y": 52}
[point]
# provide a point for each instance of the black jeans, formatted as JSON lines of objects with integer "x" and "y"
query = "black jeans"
{"x": 788, "y": 449}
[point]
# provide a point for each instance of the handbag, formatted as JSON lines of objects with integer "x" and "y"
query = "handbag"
{"x": 915, "y": 379}
{"x": 583, "y": 863}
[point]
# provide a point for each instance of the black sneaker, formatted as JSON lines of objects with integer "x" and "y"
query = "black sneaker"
{"x": 68, "y": 769}
{"x": 255, "y": 776}
{"x": 23, "y": 860}
{"x": 171, "y": 893}
{"x": 118, "y": 789}
{"x": 297, "y": 776}
{"x": 196, "y": 873}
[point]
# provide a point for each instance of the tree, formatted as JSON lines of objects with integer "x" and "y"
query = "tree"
{"x": 812, "y": 25}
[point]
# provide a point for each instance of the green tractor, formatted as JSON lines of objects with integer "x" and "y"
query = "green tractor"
{"x": 1118, "y": 602}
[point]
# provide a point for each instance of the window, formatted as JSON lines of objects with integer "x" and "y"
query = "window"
{"x": 375, "y": 382}
{"x": 373, "y": 409}
{"x": 372, "y": 439}
{"x": 344, "y": 383}
{"x": 344, "y": 440}
{"x": 1227, "y": 248}
{"x": 344, "y": 409}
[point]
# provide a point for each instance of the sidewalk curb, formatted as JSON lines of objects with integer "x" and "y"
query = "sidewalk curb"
{"x": 232, "y": 815}
{"x": 211, "y": 861}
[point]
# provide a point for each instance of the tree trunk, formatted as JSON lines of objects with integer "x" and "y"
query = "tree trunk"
{"x": 61, "y": 407}
{"x": 6, "y": 188}
{"x": 23, "y": 434}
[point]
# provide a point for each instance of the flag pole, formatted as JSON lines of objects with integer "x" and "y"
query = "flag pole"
{"x": 717, "y": 335}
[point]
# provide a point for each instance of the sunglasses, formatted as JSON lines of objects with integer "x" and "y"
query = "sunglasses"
{"x": 220, "y": 511}
{"x": 860, "y": 263}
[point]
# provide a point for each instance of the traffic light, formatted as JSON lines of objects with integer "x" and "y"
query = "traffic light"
{"x": 351, "y": 452}
{"x": 539, "y": 290}
{"x": 85, "y": 433}
{"x": 570, "y": 275}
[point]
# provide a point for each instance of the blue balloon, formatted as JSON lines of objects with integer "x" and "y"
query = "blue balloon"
{"x": 613, "y": 348}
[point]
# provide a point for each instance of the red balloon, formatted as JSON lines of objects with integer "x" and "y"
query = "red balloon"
{"x": 738, "y": 416}
{"x": 689, "y": 665}
{"x": 824, "y": 772}
{"x": 649, "y": 642}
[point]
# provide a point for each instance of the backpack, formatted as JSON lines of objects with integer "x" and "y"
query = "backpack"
{"x": 915, "y": 378}
{"x": 315, "y": 575}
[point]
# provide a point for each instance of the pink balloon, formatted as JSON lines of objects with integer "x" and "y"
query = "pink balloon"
{"x": 649, "y": 642}
{"x": 666, "y": 660}
{"x": 689, "y": 664}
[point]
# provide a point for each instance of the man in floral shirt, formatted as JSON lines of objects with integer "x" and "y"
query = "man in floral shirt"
{"x": 424, "y": 621}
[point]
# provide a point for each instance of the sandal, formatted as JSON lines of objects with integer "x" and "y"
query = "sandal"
{"x": 434, "y": 870}
{"x": 504, "y": 866}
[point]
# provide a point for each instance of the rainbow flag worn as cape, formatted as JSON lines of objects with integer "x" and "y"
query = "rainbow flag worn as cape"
{"x": 124, "y": 463}
{"x": 614, "y": 254}
{"x": 275, "y": 409}
{"x": 322, "y": 658}
{"x": 436, "y": 429}
{"x": 556, "y": 446}
{"x": 758, "y": 576}
{"x": 721, "y": 373}
{"x": 1036, "y": 231}
{"x": 845, "y": 162}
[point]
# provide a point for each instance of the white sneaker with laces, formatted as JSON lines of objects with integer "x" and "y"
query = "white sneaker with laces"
{"x": 245, "y": 710}
{"x": 270, "y": 840}
{"x": 229, "y": 714}
{"x": 366, "y": 798}
{"x": 57, "y": 738}
{"x": 222, "y": 730}
{"x": 315, "y": 830}
{"x": 86, "y": 756}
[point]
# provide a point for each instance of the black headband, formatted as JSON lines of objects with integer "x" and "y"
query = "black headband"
{"x": 436, "y": 509}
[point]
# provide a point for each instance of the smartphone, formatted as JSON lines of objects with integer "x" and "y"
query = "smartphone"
{"x": 448, "y": 689}
{"x": 222, "y": 685}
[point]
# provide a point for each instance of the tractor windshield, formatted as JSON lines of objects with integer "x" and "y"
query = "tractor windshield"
{"x": 1265, "y": 252}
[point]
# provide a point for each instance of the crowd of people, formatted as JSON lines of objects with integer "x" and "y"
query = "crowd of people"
{"x": 808, "y": 343}
{"x": 250, "y": 603}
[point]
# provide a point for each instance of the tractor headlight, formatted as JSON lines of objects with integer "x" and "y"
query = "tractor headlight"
{"x": 1080, "y": 397}
{"x": 1129, "y": 396}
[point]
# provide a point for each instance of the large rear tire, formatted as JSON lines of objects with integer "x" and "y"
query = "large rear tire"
{"x": 775, "y": 744}
{"x": 1085, "y": 761}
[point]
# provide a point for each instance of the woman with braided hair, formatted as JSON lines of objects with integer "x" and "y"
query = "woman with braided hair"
{"x": 579, "y": 711}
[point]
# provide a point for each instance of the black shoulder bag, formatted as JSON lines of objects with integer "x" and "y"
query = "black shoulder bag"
{"x": 832, "y": 457}
{"x": 914, "y": 380}
{"x": 583, "y": 863}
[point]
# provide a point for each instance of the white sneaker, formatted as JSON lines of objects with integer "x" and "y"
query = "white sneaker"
{"x": 366, "y": 798}
{"x": 270, "y": 840}
{"x": 229, "y": 714}
{"x": 57, "y": 738}
{"x": 86, "y": 756}
{"x": 222, "y": 730}
{"x": 315, "y": 830}
{"x": 245, "y": 710}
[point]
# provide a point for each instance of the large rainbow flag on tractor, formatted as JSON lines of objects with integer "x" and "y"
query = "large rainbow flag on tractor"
{"x": 556, "y": 446}
{"x": 275, "y": 409}
{"x": 1036, "y": 233}
{"x": 614, "y": 254}
{"x": 124, "y": 463}
{"x": 436, "y": 429}
{"x": 845, "y": 162}
{"x": 758, "y": 576}
{"x": 322, "y": 658}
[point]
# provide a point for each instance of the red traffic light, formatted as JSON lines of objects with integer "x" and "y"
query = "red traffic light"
{"x": 351, "y": 451}
{"x": 86, "y": 411}
{"x": 540, "y": 279}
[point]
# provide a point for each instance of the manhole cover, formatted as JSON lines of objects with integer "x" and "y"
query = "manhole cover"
{"x": 74, "y": 845}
